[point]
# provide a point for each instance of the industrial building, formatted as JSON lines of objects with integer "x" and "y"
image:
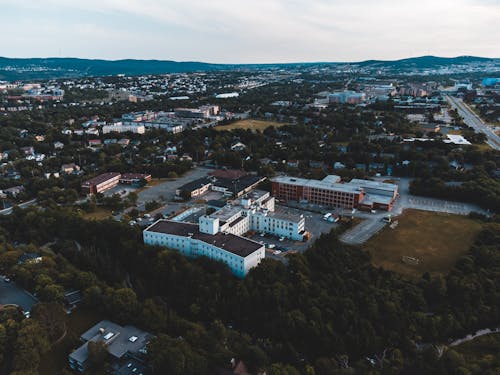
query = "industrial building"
{"x": 364, "y": 194}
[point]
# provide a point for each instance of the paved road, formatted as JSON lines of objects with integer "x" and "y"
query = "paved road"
{"x": 10, "y": 293}
{"x": 9, "y": 210}
{"x": 474, "y": 121}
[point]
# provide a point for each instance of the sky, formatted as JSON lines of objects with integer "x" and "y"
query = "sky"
{"x": 249, "y": 31}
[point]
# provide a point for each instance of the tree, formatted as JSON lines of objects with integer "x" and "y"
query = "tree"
{"x": 30, "y": 346}
{"x": 98, "y": 353}
{"x": 52, "y": 293}
{"x": 123, "y": 304}
{"x": 281, "y": 369}
{"x": 51, "y": 317}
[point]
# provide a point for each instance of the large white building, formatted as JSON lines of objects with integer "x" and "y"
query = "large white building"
{"x": 239, "y": 253}
{"x": 120, "y": 127}
{"x": 219, "y": 235}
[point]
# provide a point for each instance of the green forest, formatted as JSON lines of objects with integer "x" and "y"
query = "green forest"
{"x": 329, "y": 311}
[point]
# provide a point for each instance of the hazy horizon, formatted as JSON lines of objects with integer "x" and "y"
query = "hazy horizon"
{"x": 239, "y": 32}
{"x": 240, "y": 63}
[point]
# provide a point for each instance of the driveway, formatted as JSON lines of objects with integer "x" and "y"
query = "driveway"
{"x": 10, "y": 293}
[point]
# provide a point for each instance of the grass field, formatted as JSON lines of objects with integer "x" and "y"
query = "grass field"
{"x": 250, "y": 124}
{"x": 437, "y": 240}
{"x": 98, "y": 214}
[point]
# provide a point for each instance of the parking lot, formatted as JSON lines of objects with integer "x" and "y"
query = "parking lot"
{"x": 363, "y": 231}
{"x": 315, "y": 225}
{"x": 11, "y": 294}
{"x": 165, "y": 191}
{"x": 372, "y": 223}
{"x": 407, "y": 200}
{"x": 121, "y": 190}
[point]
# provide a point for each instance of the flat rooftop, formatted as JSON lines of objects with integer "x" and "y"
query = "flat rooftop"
{"x": 317, "y": 184}
{"x": 231, "y": 243}
{"x": 196, "y": 184}
{"x": 287, "y": 215}
{"x": 374, "y": 184}
{"x": 253, "y": 195}
{"x": 119, "y": 340}
{"x": 226, "y": 212}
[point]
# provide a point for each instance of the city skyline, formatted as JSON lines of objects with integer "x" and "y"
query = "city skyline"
{"x": 274, "y": 31}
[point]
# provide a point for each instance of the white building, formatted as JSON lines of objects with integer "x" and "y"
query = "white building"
{"x": 123, "y": 128}
{"x": 218, "y": 236}
{"x": 239, "y": 253}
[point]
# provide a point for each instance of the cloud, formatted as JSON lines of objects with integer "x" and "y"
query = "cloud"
{"x": 260, "y": 30}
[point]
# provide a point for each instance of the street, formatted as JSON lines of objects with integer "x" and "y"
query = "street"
{"x": 473, "y": 120}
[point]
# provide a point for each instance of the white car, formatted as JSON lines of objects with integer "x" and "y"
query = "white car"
{"x": 281, "y": 239}
{"x": 277, "y": 252}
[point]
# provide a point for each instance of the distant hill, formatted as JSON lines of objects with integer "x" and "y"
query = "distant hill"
{"x": 47, "y": 68}
{"x": 426, "y": 62}
{"x": 44, "y": 68}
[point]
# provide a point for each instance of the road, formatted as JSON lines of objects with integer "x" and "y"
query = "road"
{"x": 474, "y": 121}
{"x": 9, "y": 210}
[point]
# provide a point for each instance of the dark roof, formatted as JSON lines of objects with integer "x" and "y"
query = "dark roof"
{"x": 118, "y": 343}
{"x": 239, "y": 184}
{"x": 219, "y": 203}
{"x": 73, "y": 297}
{"x": 196, "y": 184}
{"x": 234, "y": 244}
{"x": 101, "y": 178}
{"x": 27, "y": 257}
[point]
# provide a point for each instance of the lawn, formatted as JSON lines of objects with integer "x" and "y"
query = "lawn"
{"x": 437, "y": 240}
{"x": 56, "y": 359}
{"x": 250, "y": 124}
{"x": 97, "y": 214}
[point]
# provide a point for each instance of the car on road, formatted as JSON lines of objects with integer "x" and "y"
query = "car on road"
{"x": 6, "y": 279}
{"x": 281, "y": 239}
{"x": 276, "y": 252}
